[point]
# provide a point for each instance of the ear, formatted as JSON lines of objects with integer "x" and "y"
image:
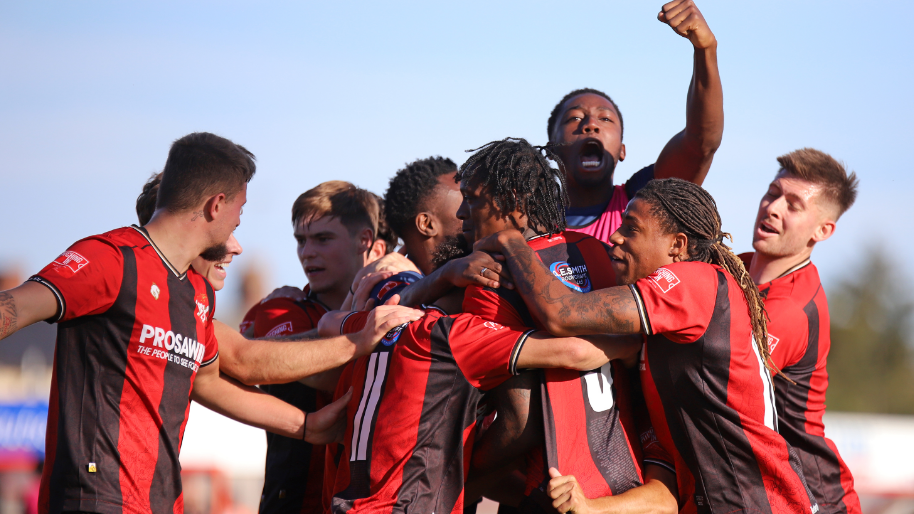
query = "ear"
{"x": 679, "y": 247}
{"x": 378, "y": 250}
{"x": 427, "y": 224}
{"x": 622, "y": 153}
{"x": 213, "y": 207}
{"x": 366, "y": 240}
{"x": 823, "y": 231}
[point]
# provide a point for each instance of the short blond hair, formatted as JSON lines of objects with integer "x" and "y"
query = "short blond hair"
{"x": 355, "y": 207}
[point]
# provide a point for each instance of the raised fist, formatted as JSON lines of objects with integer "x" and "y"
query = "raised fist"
{"x": 686, "y": 20}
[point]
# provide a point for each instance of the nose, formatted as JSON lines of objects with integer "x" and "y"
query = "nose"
{"x": 463, "y": 212}
{"x": 616, "y": 238}
{"x": 234, "y": 247}
{"x": 775, "y": 207}
{"x": 589, "y": 125}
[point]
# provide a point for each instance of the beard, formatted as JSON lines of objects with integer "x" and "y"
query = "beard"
{"x": 215, "y": 253}
{"x": 453, "y": 247}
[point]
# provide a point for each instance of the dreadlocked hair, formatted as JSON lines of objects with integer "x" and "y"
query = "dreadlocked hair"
{"x": 681, "y": 206}
{"x": 518, "y": 177}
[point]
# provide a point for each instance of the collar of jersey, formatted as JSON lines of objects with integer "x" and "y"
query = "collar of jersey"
{"x": 311, "y": 296}
{"x": 798, "y": 267}
{"x": 152, "y": 243}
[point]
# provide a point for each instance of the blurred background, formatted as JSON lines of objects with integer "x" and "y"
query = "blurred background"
{"x": 93, "y": 94}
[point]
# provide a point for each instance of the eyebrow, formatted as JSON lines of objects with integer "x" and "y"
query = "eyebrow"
{"x": 581, "y": 107}
{"x": 319, "y": 234}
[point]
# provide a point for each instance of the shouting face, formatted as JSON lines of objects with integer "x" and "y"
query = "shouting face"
{"x": 589, "y": 131}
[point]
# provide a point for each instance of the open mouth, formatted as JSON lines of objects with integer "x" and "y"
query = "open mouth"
{"x": 592, "y": 155}
{"x": 222, "y": 266}
{"x": 764, "y": 227}
{"x": 310, "y": 270}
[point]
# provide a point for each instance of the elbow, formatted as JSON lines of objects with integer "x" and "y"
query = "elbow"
{"x": 555, "y": 325}
{"x": 577, "y": 354}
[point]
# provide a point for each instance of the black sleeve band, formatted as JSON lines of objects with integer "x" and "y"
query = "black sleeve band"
{"x": 61, "y": 304}
{"x": 515, "y": 353}
{"x": 642, "y": 311}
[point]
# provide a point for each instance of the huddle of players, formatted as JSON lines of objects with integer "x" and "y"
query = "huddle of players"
{"x": 652, "y": 393}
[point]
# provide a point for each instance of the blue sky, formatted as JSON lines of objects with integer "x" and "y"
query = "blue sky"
{"x": 94, "y": 93}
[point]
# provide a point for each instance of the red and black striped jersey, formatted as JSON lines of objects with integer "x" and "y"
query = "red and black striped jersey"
{"x": 799, "y": 340}
{"x": 587, "y": 416}
{"x": 293, "y": 478}
{"x": 710, "y": 397}
{"x": 132, "y": 333}
{"x": 412, "y": 416}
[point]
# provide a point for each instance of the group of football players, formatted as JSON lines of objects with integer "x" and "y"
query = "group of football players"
{"x": 543, "y": 337}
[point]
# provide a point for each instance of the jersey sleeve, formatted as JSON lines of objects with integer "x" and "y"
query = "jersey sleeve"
{"x": 211, "y": 345}
{"x": 354, "y": 322}
{"x": 280, "y": 317}
{"x": 677, "y": 300}
{"x": 85, "y": 279}
{"x": 490, "y": 304}
{"x": 788, "y": 331}
{"x": 639, "y": 180}
{"x": 485, "y": 351}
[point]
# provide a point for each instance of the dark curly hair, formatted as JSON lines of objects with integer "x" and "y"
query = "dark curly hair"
{"x": 410, "y": 187}
{"x": 519, "y": 178}
{"x": 146, "y": 202}
{"x": 681, "y": 206}
{"x": 553, "y": 118}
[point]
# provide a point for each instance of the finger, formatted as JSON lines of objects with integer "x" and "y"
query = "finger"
{"x": 554, "y": 473}
{"x": 368, "y": 305}
{"x": 393, "y": 300}
{"x": 672, "y": 9}
{"x": 562, "y": 503}
{"x": 676, "y": 21}
{"x": 340, "y": 403}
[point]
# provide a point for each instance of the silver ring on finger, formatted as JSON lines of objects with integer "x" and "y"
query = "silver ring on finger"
{"x": 483, "y": 271}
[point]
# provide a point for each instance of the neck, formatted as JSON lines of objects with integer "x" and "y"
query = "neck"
{"x": 420, "y": 252}
{"x": 765, "y": 268}
{"x": 175, "y": 238}
{"x": 581, "y": 196}
{"x": 333, "y": 299}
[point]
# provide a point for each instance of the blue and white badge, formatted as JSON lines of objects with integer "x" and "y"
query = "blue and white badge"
{"x": 575, "y": 277}
{"x": 391, "y": 337}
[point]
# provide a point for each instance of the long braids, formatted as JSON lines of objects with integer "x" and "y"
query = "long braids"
{"x": 682, "y": 206}
{"x": 518, "y": 177}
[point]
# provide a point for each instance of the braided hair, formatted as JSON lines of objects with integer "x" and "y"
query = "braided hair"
{"x": 518, "y": 177}
{"x": 681, "y": 206}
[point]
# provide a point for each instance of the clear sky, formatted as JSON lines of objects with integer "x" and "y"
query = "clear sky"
{"x": 93, "y": 94}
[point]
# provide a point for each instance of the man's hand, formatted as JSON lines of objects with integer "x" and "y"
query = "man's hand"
{"x": 361, "y": 300}
{"x": 686, "y": 20}
{"x": 566, "y": 493}
{"x": 328, "y": 425}
{"x": 392, "y": 262}
{"x": 381, "y": 321}
{"x": 479, "y": 268}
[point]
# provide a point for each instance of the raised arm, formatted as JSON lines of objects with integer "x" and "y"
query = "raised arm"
{"x": 261, "y": 361}
{"x": 562, "y": 311}
{"x": 689, "y": 153}
{"x": 21, "y": 306}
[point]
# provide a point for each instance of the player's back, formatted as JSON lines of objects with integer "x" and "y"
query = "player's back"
{"x": 413, "y": 411}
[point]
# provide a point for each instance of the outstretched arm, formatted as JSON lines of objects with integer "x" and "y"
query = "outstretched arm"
{"x": 21, "y": 306}
{"x": 478, "y": 268}
{"x": 580, "y": 353}
{"x": 253, "y": 407}
{"x": 657, "y": 495}
{"x": 279, "y": 362}
{"x": 689, "y": 153}
{"x": 562, "y": 311}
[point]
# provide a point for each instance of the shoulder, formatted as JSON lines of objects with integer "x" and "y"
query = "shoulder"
{"x": 746, "y": 257}
{"x": 684, "y": 275}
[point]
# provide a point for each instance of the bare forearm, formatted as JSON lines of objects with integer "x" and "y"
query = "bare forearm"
{"x": 250, "y": 406}
{"x": 657, "y": 495}
{"x": 325, "y": 381}
{"x": 562, "y": 311}
{"x": 581, "y": 353}
{"x": 8, "y": 316}
{"x": 426, "y": 290}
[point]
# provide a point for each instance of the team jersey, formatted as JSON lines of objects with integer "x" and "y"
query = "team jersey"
{"x": 799, "y": 339}
{"x": 412, "y": 416}
{"x": 589, "y": 429}
{"x": 293, "y": 477}
{"x": 132, "y": 333}
{"x": 602, "y": 221}
{"x": 710, "y": 397}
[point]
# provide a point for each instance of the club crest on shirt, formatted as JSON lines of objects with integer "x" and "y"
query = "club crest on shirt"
{"x": 391, "y": 337}
{"x": 575, "y": 277}
{"x": 71, "y": 260}
{"x": 202, "y": 302}
{"x": 772, "y": 342}
{"x": 664, "y": 279}
{"x": 493, "y": 325}
{"x": 278, "y": 330}
{"x": 154, "y": 291}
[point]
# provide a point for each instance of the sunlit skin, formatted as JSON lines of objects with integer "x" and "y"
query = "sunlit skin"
{"x": 589, "y": 131}
{"x": 215, "y": 272}
{"x": 640, "y": 245}
{"x": 330, "y": 256}
{"x": 445, "y": 202}
{"x": 480, "y": 217}
{"x": 792, "y": 217}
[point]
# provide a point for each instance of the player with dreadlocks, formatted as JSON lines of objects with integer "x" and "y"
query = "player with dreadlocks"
{"x": 510, "y": 184}
{"x": 704, "y": 362}
{"x": 586, "y": 129}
